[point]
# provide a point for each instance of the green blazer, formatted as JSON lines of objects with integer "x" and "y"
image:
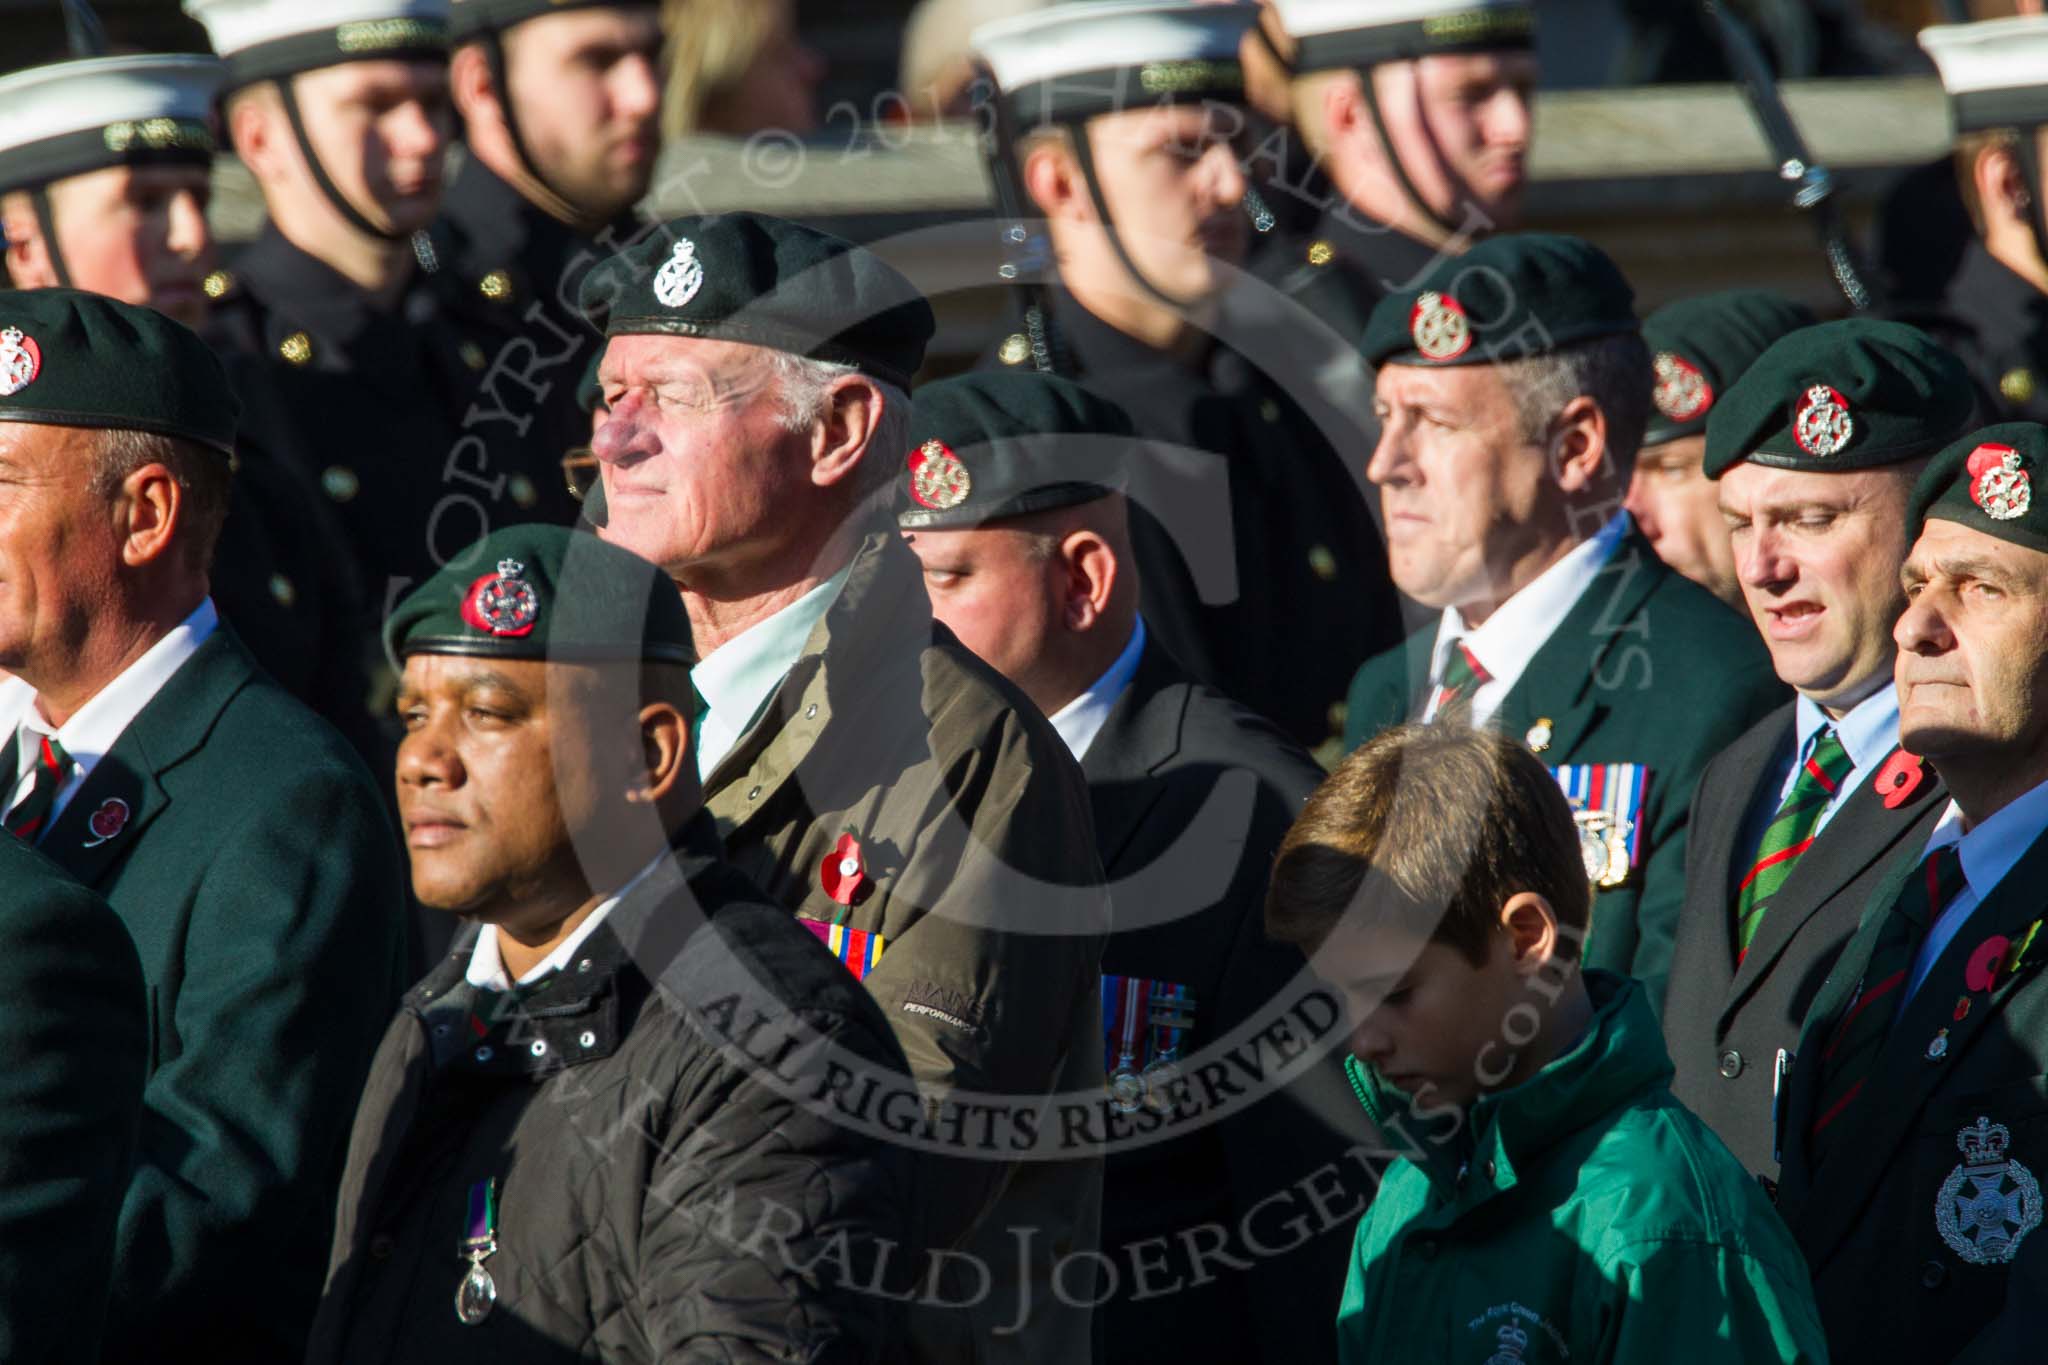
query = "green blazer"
{"x": 1647, "y": 668}
{"x": 72, "y": 1046}
{"x": 1918, "y": 1251}
{"x": 252, "y": 861}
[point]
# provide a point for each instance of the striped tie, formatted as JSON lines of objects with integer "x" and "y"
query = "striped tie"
{"x": 1790, "y": 833}
{"x": 1852, "y": 1051}
{"x": 53, "y": 765}
{"x": 1464, "y": 675}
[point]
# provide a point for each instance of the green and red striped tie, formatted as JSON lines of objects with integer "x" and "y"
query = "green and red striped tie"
{"x": 32, "y": 812}
{"x": 1464, "y": 675}
{"x": 1852, "y": 1050}
{"x": 1791, "y": 832}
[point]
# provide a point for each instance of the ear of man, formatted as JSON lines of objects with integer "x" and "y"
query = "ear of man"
{"x": 470, "y": 83}
{"x": 1052, "y": 177}
{"x": 1579, "y": 449}
{"x": 149, "y": 513}
{"x": 853, "y": 414}
{"x": 1090, "y": 564}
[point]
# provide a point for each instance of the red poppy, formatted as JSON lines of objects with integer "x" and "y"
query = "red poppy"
{"x": 1900, "y": 778}
{"x": 1982, "y": 973}
{"x": 844, "y": 873}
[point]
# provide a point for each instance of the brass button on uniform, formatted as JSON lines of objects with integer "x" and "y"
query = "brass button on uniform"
{"x": 1321, "y": 253}
{"x": 1015, "y": 350}
{"x": 2017, "y": 385}
{"x": 382, "y": 1245}
{"x": 495, "y": 286}
{"x": 472, "y": 355}
{"x": 281, "y": 588}
{"x": 1731, "y": 1064}
{"x": 296, "y": 348}
{"x": 1322, "y": 561}
{"x": 218, "y": 284}
{"x": 522, "y": 490}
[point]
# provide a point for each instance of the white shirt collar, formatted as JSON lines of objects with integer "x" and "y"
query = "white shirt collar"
{"x": 1522, "y": 625}
{"x": 1993, "y": 848}
{"x": 487, "y": 965}
{"x": 94, "y": 728}
{"x": 1080, "y": 720}
{"x": 738, "y": 677}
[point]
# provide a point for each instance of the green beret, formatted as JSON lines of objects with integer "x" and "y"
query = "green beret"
{"x": 1986, "y": 482}
{"x": 1510, "y": 297}
{"x": 1854, "y": 394}
{"x": 73, "y": 359}
{"x": 470, "y": 18}
{"x": 1004, "y": 443}
{"x": 1702, "y": 346}
{"x": 545, "y": 592}
{"x": 768, "y": 282}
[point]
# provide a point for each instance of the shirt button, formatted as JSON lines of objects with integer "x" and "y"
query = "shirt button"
{"x": 1932, "y": 1274}
{"x": 381, "y": 1246}
{"x": 587, "y": 1038}
{"x": 754, "y": 794}
{"x": 811, "y": 713}
{"x": 1731, "y": 1064}
{"x": 484, "y": 1054}
{"x": 1490, "y": 1169}
{"x": 539, "y": 1048}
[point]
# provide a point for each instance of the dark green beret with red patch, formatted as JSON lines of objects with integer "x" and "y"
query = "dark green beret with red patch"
{"x": 1702, "y": 345}
{"x": 1854, "y": 394}
{"x": 1985, "y": 481}
{"x": 545, "y": 592}
{"x": 73, "y": 359}
{"x": 1005, "y": 443}
{"x": 1511, "y": 297}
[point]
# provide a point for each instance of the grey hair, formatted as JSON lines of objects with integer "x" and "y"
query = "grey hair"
{"x": 804, "y": 386}
{"x": 1613, "y": 371}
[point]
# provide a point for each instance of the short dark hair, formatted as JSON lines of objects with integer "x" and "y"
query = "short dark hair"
{"x": 1451, "y": 823}
{"x": 203, "y": 476}
{"x": 1615, "y": 372}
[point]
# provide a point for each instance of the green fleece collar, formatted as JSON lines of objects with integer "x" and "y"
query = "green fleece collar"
{"x": 1621, "y": 1056}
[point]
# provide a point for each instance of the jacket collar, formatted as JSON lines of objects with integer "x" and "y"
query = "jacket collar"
{"x": 581, "y": 1013}
{"x": 167, "y": 731}
{"x": 1621, "y": 1058}
{"x": 861, "y": 659}
{"x": 1141, "y": 735}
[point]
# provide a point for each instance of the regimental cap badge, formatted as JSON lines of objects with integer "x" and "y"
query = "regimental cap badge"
{"x": 502, "y": 603}
{"x": 938, "y": 479}
{"x": 680, "y": 276}
{"x": 1439, "y": 326}
{"x": 1999, "y": 482}
{"x": 21, "y": 360}
{"x": 1822, "y": 423}
{"x": 1989, "y": 1204}
{"x": 1682, "y": 391}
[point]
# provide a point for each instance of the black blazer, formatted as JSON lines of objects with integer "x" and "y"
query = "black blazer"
{"x": 1724, "y": 1026}
{"x": 1191, "y": 795}
{"x": 1896, "y": 1227}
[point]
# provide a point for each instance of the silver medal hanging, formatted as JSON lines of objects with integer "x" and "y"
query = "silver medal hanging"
{"x": 1126, "y": 1086}
{"x": 478, "y": 1292}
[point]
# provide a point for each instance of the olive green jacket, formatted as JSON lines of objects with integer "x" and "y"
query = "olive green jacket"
{"x": 979, "y": 870}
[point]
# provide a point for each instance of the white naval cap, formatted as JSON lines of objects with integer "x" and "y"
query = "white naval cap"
{"x": 1995, "y": 72}
{"x": 71, "y": 117}
{"x": 264, "y": 39}
{"x": 1349, "y": 33}
{"x": 1074, "y": 61}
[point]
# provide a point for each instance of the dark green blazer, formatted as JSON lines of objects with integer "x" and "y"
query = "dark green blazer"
{"x": 72, "y": 1044}
{"x": 261, "y": 881}
{"x": 1890, "y": 1282}
{"x": 1647, "y": 668}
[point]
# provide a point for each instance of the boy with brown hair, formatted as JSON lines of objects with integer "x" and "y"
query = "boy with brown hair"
{"x": 1553, "y": 1201}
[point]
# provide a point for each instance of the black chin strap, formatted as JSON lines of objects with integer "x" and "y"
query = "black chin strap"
{"x": 494, "y": 59}
{"x": 286, "y": 89}
{"x": 46, "y": 223}
{"x": 1379, "y": 123}
{"x": 1085, "y": 154}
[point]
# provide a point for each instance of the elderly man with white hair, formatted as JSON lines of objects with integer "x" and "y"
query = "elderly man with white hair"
{"x": 888, "y": 787}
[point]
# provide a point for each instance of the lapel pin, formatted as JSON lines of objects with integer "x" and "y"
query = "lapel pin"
{"x": 1962, "y": 1008}
{"x": 1900, "y": 778}
{"x": 1982, "y": 973}
{"x": 1539, "y": 736}
{"x": 109, "y": 820}
{"x": 1938, "y": 1049}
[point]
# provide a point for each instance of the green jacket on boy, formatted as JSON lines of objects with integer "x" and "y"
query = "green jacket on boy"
{"x": 1584, "y": 1215}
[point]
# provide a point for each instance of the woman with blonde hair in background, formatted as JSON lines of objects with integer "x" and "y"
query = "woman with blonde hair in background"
{"x": 737, "y": 67}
